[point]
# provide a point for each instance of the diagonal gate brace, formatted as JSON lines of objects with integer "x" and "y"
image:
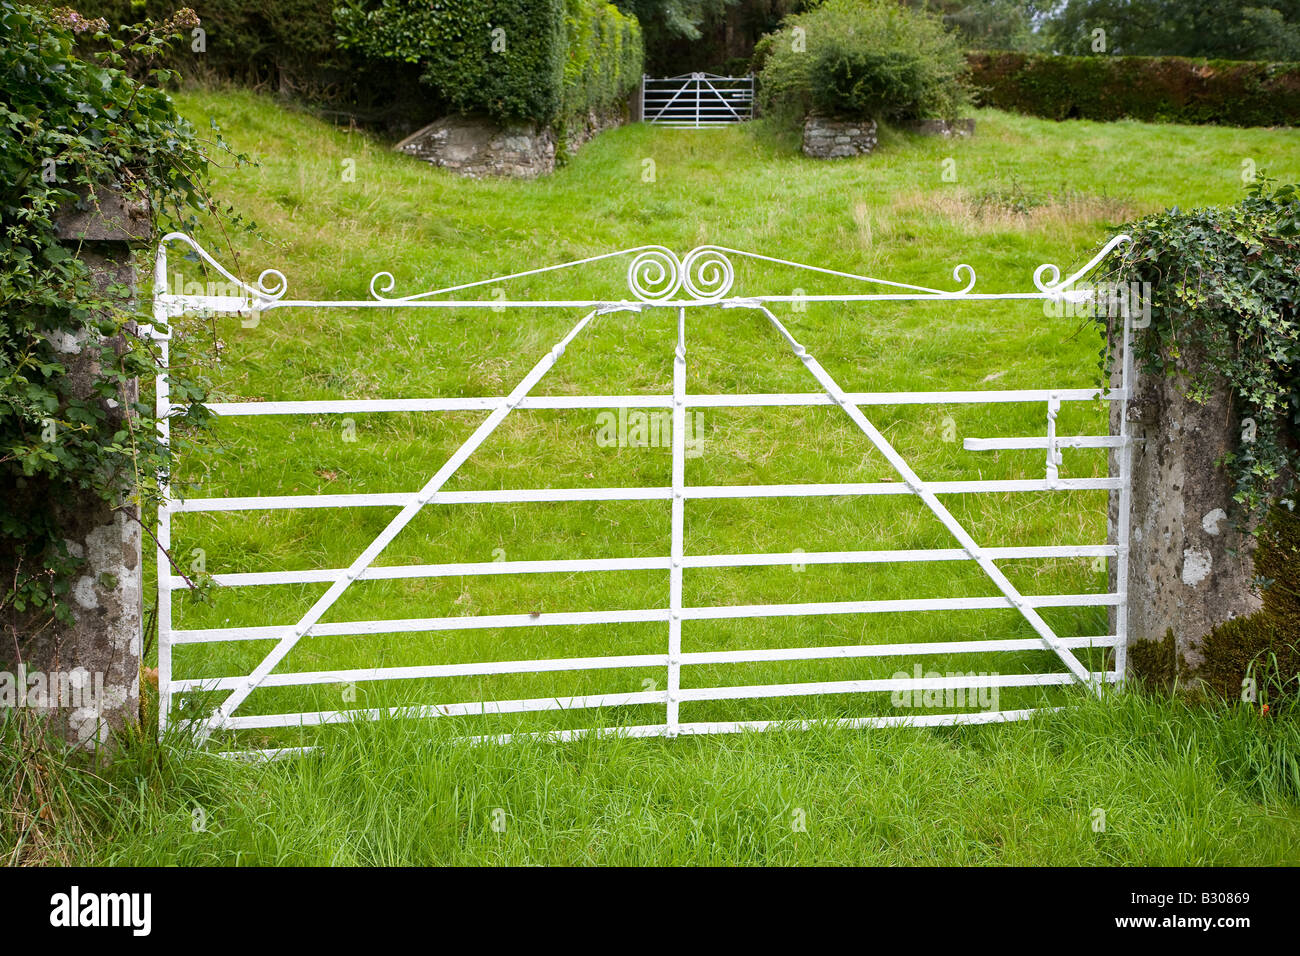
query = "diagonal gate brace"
{"x": 417, "y": 501}
{"x": 918, "y": 487}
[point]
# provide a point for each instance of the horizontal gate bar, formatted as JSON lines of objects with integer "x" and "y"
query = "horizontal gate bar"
{"x": 686, "y": 695}
{"x": 468, "y": 709}
{"x": 890, "y": 606}
{"x": 539, "y": 495}
{"x": 407, "y": 625}
{"x": 898, "y": 488}
{"x": 406, "y": 571}
{"x": 754, "y": 400}
{"x": 180, "y": 304}
{"x": 640, "y": 615}
{"x": 888, "y": 650}
{"x": 660, "y": 563}
{"x": 421, "y": 672}
{"x": 707, "y": 727}
{"x": 428, "y": 671}
{"x": 1060, "y": 441}
{"x": 743, "y": 692}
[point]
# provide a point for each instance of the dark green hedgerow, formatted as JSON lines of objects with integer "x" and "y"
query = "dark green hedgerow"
{"x": 542, "y": 60}
{"x": 289, "y": 46}
{"x": 1165, "y": 89}
{"x": 251, "y": 41}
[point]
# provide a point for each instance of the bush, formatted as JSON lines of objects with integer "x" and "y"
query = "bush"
{"x": 513, "y": 59}
{"x": 1153, "y": 89}
{"x": 246, "y": 40}
{"x": 539, "y": 60}
{"x": 862, "y": 59}
{"x": 857, "y": 82}
{"x": 76, "y": 123}
{"x": 604, "y": 57}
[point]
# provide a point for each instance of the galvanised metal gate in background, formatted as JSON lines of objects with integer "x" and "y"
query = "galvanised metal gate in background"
{"x": 697, "y": 100}
{"x": 657, "y": 279}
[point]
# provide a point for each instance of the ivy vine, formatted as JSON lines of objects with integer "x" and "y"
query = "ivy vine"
{"x": 1224, "y": 301}
{"x": 74, "y": 123}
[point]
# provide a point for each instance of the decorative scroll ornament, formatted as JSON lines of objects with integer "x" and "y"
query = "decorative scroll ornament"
{"x": 1047, "y": 277}
{"x": 271, "y": 284}
{"x": 707, "y": 273}
{"x": 656, "y": 275}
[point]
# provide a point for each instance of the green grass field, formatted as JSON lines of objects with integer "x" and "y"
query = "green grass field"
{"x": 1175, "y": 785}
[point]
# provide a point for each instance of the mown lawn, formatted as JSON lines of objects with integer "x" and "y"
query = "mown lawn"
{"x": 1175, "y": 786}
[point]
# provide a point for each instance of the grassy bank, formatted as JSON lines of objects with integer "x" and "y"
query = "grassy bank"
{"x": 1129, "y": 781}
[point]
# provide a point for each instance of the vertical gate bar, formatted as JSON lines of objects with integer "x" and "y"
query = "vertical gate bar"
{"x": 1125, "y": 501}
{"x": 1053, "y": 455}
{"x": 697, "y": 103}
{"x": 679, "y": 525}
{"x": 162, "y": 411}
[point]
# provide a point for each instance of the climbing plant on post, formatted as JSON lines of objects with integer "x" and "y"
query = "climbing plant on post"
{"x": 92, "y": 163}
{"x": 1216, "y": 418}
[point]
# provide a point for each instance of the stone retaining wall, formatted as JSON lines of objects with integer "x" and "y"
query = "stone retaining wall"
{"x": 827, "y": 138}
{"x": 477, "y": 146}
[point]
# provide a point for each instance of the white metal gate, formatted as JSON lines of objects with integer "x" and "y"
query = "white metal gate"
{"x": 657, "y": 278}
{"x": 697, "y": 100}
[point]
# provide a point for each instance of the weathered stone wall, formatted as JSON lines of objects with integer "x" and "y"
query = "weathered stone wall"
{"x": 476, "y": 146}
{"x": 828, "y": 138}
{"x": 98, "y": 653}
{"x": 585, "y": 128}
{"x": 1190, "y": 567}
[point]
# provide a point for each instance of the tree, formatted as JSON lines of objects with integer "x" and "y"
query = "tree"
{"x": 1222, "y": 29}
{"x": 673, "y": 19}
{"x": 993, "y": 24}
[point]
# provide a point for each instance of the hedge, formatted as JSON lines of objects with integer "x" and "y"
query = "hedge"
{"x": 605, "y": 57}
{"x": 561, "y": 57}
{"x": 252, "y": 41}
{"x": 542, "y": 60}
{"x": 1154, "y": 89}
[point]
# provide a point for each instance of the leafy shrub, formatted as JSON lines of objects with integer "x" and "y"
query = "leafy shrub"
{"x": 862, "y": 59}
{"x": 367, "y": 57}
{"x": 1225, "y": 308}
{"x": 511, "y": 59}
{"x": 852, "y": 81}
{"x": 73, "y": 125}
{"x": 289, "y": 46}
{"x": 604, "y": 56}
{"x": 287, "y": 43}
{"x": 1153, "y": 89}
